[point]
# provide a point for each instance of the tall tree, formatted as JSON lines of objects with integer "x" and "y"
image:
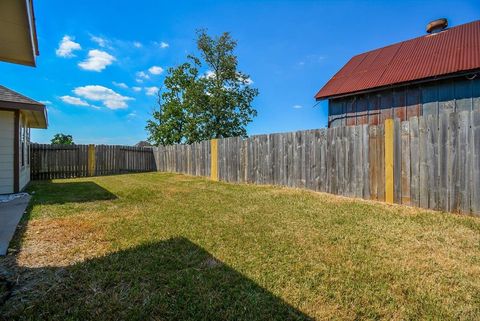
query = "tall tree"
{"x": 205, "y": 97}
{"x": 62, "y": 139}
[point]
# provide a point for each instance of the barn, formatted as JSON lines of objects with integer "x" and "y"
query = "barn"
{"x": 435, "y": 73}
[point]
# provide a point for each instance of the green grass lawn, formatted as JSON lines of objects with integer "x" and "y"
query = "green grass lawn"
{"x": 171, "y": 247}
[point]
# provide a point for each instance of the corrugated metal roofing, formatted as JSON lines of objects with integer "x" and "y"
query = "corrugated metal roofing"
{"x": 450, "y": 51}
{"x": 8, "y": 95}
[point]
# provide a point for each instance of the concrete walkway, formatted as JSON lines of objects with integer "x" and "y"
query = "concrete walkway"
{"x": 10, "y": 214}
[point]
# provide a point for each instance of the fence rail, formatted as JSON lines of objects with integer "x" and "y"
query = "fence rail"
{"x": 429, "y": 162}
{"x": 61, "y": 161}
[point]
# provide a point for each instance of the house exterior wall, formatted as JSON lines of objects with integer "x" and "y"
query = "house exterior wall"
{"x": 6, "y": 151}
{"x": 24, "y": 153}
{"x": 430, "y": 98}
{"x": 7, "y": 157}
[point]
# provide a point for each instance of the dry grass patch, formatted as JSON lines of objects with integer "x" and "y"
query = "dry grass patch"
{"x": 61, "y": 242}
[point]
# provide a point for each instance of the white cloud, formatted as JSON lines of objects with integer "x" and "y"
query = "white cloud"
{"x": 163, "y": 45}
{"x": 297, "y": 106}
{"x": 209, "y": 74}
{"x": 155, "y": 70}
{"x": 133, "y": 114}
{"x": 99, "y": 40}
{"x": 318, "y": 58}
{"x": 46, "y": 102}
{"x": 107, "y": 96}
{"x": 141, "y": 76}
{"x": 137, "y": 89}
{"x": 137, "y": 44}
{"x": 52, "y": 110}
{"x": 66, "y": 47}
{"x": 242, "y": 79}
{"x": 97, "y": 60}
{"x": 120, "y": 84}
{"x": 312, "y": 59}
{"x": 74, "y": 101}
{"x": 151, "y": 91}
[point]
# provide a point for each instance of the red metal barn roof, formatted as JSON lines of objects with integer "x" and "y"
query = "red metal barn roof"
{"x": 450, "y": 51}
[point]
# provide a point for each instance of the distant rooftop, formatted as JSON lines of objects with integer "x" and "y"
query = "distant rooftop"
{"x": 451, "y": 51}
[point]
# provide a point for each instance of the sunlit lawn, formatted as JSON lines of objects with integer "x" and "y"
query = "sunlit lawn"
{"x": 172, "y": 247}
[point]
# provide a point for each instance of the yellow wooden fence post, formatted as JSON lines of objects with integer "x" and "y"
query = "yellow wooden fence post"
{"x": 389, "y": 147}
{"x": 214, "y": 159}
{"x": 91, "y": 160}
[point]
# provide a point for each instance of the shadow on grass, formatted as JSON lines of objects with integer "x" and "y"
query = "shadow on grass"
{"x": 169, "y": 280}
{"x": 48, "y": 192}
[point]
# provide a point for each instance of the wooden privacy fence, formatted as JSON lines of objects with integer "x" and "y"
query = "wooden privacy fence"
{"x": 191, "y": 159}
{"x": 64, "y": 161}
{"x": 429, "y": 162}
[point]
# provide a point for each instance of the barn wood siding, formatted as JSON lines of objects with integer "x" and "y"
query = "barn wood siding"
{"x": 432, "y": 98}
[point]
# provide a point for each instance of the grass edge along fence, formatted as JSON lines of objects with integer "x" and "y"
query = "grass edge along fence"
{"x": 68, "y": 161}
{"x": 429, "y": 162}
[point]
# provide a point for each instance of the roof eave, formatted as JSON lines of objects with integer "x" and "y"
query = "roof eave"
{"x": 401, "y": 84}
{"x": 38, "y": 112}
{"x": 31, "y": 62}
{"x": 33, "y": 28}
{"x": 19, "y": 33}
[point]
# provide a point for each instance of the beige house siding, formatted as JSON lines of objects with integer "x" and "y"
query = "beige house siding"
{"x": 24, "y": 177}
{"x": 25, "y": 164}
{"x": 17, "y": 115}
{"x": 6, "y": 151}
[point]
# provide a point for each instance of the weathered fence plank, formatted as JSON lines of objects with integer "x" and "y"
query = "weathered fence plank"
{"x": 431, "y": 161}
{"x": 452, "y": 162}
{"x": 414, "y": 162}
{"x": 423, "y": 143}
{"x": 365, "y": 163}
{"x": 463, "y": 163}
{"x": 67, "y": 161}
{"x": 405, "y": 162}
{"x": 443, "y": 150}
{"x": 475, "y": 159}
{"x": 397, "y": 162}
{"x": 381, "y": 162}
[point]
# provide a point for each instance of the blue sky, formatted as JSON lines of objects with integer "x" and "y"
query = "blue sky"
{"x": 115, "y": 53}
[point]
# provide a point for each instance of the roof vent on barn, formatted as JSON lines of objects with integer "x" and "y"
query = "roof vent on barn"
{"x": 437, "y": 25}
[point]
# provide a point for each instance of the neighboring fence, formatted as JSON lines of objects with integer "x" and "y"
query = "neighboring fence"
{"x": 191, "y": 159}
{"x": 62, "y": 161}
{"x": 430, "y": 162}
